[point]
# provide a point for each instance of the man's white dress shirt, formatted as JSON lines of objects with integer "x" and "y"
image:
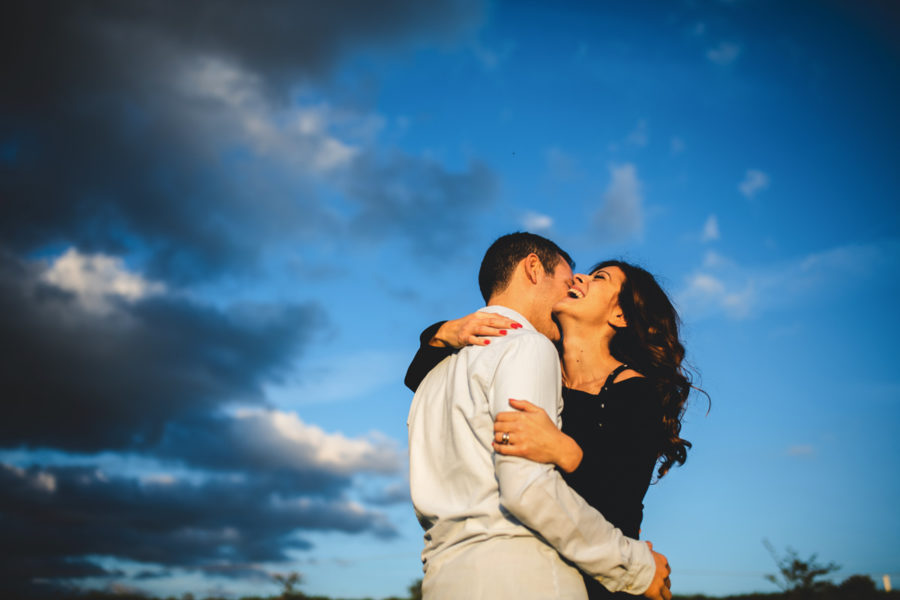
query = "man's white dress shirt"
{"x": 495, "y": 525}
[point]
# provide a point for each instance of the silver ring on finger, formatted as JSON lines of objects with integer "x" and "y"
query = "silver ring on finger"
{"x": 504, "y": 439}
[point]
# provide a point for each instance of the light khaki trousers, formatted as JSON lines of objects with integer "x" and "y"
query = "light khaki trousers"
{"x": 519, "y": 568}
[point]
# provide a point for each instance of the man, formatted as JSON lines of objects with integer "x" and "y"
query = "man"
{"x": 500, "y": 526}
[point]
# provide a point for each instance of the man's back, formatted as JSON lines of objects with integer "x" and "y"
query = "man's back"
{"x": 475, "y": 548}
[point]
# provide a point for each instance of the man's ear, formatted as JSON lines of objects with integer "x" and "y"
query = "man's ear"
{"x": 533, "y": 267}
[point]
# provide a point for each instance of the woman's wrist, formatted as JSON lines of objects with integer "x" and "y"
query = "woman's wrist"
{"x": 440, "y": 338}
{"x": 570, "y": 454}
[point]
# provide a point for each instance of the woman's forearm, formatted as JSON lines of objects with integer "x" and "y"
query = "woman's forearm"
{"x": 570, "y": 454}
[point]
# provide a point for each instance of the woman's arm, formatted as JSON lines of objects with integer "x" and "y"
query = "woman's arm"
{"x": 443, "y": 339}
{"x": 471, "y": 330}
{"x": 427, "y": 357}
{"x": 528, "y": 432}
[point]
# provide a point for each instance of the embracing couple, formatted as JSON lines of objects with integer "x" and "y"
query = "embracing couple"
{"x": 512, "y": 506}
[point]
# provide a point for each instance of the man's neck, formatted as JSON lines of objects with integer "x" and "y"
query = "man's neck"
{"x": 516, "y": 302}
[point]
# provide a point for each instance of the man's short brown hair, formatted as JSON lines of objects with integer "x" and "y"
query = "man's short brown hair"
{"x": 501, "y": 259}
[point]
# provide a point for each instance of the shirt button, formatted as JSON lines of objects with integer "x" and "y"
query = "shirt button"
{"x": 599, "y": 424}
{"x": 603, "y": 406}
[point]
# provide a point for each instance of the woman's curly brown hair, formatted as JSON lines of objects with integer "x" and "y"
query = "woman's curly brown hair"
{"x": 649, "y": 344}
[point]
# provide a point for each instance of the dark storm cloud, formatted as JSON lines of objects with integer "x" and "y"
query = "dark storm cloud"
{"x": 53, "y": 515}
{"x": 238, "y": 571}
{"x": 112, "y": 138}
{"x": 60, "y": 45}
{"x": 151, "y": 376}
{"x": 171, "y": 130}
{"x": 405, "y": 195}
{"x": 76, "y": 380}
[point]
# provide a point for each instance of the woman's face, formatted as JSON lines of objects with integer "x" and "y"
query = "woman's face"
{"x": 594, "y": 298}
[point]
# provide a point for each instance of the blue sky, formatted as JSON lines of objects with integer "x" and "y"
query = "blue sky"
{"x": 224, "y": 225}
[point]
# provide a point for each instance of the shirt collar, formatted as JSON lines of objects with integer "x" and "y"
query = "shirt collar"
{"x": 508, "y": 312}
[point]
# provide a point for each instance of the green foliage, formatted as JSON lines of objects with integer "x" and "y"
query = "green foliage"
{"x": 799, "y": 577}
{"x": 288, "y": 583}
{"x": 855, "y": 587}
{"x": 415, "y": 590}
{"x": 858, "y": 587}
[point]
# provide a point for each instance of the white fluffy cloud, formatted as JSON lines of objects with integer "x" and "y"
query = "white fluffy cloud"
{"x": 706, "y": 293}
{"x": 491, "y": 58}
{"x": 621, "y": 216}
{"x": 97, "y": 279}
{"x": 41, "y": 481}
{"x": 533, "y": 221}
{"x": 280, "y": 439}
{"x": 724, "y": 54}
{"x": 298, "y": 136}
{"x": 710, "y": 229}
{"x": 754, "y": 182}
{"x": 723, "y": 287}
{"x": 801, "y": 450}
{"x": 639, "y": 136}
{"x": 560, "y": 164}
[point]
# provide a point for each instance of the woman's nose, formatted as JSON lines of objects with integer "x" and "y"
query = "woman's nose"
{"x": 580, "y": 278}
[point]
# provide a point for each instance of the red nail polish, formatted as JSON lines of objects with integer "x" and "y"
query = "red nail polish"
{"x": 486, "y": 342}
{"x": 502, "y": 332}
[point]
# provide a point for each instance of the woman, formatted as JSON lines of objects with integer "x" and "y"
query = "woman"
{"x": 624, "y": 391}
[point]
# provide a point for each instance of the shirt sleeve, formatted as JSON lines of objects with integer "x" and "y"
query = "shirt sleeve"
{"x": 427, "y": 357}
{"x": 536, "y": 494}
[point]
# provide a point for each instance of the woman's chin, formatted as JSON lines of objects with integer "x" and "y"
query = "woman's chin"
{"x": 564, "y": 312}
{"x": 572, "y": 317}
{"x": 564, "y": 305}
